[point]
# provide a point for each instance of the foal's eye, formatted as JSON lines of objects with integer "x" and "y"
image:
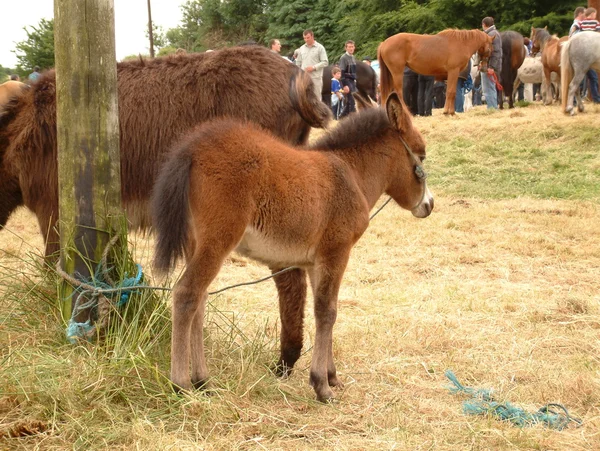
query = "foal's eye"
{"x": 422, "y": 158}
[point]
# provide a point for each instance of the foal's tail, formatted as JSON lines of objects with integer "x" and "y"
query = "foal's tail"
{"x": 170, "y": 208}
{"x": 566, "y": 73}
{"x": 305, "y": 101}
{"x": 386, "y": 81}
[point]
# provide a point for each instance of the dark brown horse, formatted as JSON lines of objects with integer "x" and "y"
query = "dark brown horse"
{"x": 366, "y": 82}
{"x": 159, "y": 100}
{"x": 550, "y": 46}
{"x": 230, "y": 186}
{"x": 442, "y": 55}
{"x": 513, "y": 55}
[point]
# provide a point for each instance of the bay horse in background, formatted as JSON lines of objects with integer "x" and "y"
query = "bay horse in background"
{"x": 10, "y": 89}
{"x": 230, "y": 186}
{"x": 442, "y": 55}
{"x": 550, "y": 47}
{"x": 366, "y": 82}
{"x": 513, "y": 55}
{"x": 159, "y": 99}
{"x": 579, "y": 54}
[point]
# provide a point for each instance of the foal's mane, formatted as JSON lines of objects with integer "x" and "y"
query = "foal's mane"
{"x": 354, "y": 131}
{"x": 460, "y": 35}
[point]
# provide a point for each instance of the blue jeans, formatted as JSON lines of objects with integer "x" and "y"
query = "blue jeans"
{"x": 459, "y": 102}
{"x": 592, "y": 78}
{"x": 489, "y": 91}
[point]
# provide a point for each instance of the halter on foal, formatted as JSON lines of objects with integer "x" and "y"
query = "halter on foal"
{"x": 231, "y": 186}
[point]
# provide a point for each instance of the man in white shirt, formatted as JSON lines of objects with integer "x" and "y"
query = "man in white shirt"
{"x": 312, "y": 58}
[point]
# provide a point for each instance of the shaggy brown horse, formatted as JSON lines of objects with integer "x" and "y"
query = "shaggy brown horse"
{"x": 513, "y": 55}
{"x": 159, "y": 100}
{"x": 550, "y": 46}
{"x": 230, "y": 186}
{"x": 442, "y": 55}
{"x": 9, "y": 90}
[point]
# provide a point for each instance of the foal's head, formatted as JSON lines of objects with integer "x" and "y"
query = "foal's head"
{"x": 408, "y": 186}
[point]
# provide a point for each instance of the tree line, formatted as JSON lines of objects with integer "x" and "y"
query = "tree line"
{"x": 213, "y": 24}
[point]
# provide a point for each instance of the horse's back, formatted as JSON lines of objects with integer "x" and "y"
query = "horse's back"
{"x": 9, "y": 90}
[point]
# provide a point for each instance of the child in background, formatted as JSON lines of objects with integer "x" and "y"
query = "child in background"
{"x": 336, "y": 92}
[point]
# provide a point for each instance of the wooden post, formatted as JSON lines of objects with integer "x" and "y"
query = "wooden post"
{"x": 87, "y": 134}
{"x": 150, "y": 32}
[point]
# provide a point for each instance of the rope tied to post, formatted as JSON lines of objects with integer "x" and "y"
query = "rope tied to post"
{"x": 94, "y": 295}
{"x": 555, "y": 416}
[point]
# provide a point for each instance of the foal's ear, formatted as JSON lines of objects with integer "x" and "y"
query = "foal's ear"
{"x": 362, "y": 103}
{"x": 397, "y": 113}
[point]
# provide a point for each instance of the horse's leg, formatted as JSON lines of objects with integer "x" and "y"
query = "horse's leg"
{"x": 291, "y": 287}
{"x": 326, "y": 278}
{"x": 189, "y": 301}
{"x": 574, "y": 91}
{"x": 452, "y": 80}
{"x": 548, "y": 85}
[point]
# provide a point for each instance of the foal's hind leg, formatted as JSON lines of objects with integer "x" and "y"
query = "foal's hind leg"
{"x": 291, "y": 287}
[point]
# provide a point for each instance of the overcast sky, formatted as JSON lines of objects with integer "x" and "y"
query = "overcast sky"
{"x": 131, "y": 19}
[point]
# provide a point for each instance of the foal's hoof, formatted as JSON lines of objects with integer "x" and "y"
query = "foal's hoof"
{"x": 335, "y": 381}
{"x": 178, "y": 389}
{"x": 201, "y": 384}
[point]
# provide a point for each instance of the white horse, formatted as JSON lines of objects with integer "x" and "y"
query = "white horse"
{"x": 579, "y": 54}
{"x": 532, "y": 71}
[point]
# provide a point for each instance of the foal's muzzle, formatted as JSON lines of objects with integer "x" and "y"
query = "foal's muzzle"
{"x": 425, "y": 207}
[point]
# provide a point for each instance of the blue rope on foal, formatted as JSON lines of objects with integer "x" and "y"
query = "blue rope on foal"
{"x": 482, "y": 403}
{"x": 97, "y": 287}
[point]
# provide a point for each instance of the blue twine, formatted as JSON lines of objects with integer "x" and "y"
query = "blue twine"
{"x": 482, "y": 404}
{"x": 87, "y": 330}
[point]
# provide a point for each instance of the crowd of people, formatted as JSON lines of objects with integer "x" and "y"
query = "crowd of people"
{"x": 421, "y": 92}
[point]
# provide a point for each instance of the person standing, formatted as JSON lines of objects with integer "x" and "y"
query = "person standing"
{"x": 489, "y": 74}
{"x": 462, "y": 87}
{"x": 589, "y": 23}
{"x": 410, "y": 90}
{"x": 312, "y": 58}
{"x": 35, "y": 74}
{"x": 578, "y": 16}
{"x": 348, "y": 67}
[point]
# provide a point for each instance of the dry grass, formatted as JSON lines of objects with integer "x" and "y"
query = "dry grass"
{"x": 503, "y": 290}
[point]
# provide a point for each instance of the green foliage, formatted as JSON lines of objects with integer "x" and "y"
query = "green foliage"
{"x": 38, "y": 48}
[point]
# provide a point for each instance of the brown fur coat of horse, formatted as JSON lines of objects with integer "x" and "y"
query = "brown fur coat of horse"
{"x": 159, "y": 100}
{"x": 550, "y": 47}
{"x": 9, "y": 90}
{"x": 230, "y": 186}
{"x": 513, "y": 55}
{"x": 442, "y": 55}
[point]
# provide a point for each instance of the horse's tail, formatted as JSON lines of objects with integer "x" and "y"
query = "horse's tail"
{"x": 386, "y": 81}
{"x": 566, "y": 73}
{"x": 305, "y": 101}
{"x": 170, "y": 208}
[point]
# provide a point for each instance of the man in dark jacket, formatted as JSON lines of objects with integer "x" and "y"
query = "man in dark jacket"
{"x": 348, "y": 67}
{"x": 492, "y": 72}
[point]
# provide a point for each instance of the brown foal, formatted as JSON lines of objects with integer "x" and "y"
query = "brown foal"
{"x": 230, "y": 186}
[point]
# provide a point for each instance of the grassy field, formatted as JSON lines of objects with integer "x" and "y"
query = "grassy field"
{"x": 500, "y": 284}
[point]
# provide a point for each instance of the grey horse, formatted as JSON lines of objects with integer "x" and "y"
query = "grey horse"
{"x": 579, "y": 54}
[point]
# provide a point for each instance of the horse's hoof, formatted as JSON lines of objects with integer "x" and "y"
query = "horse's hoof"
{"x": 201, "y": 384}
{"x": 335, "y": 382}
{"x": 179, "y": 389}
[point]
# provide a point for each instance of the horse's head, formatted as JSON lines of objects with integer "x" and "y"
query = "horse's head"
{"x": 409, "y": 186}
{"x": 486, "y": 48}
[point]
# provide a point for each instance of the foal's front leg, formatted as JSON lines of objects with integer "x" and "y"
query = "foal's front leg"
{"x": 326, "y": 280}
{"x": 291, "y": 287}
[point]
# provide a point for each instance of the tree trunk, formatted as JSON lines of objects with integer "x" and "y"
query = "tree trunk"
{"x": 594, "y": 4}
{"x": 87, "y": 134}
